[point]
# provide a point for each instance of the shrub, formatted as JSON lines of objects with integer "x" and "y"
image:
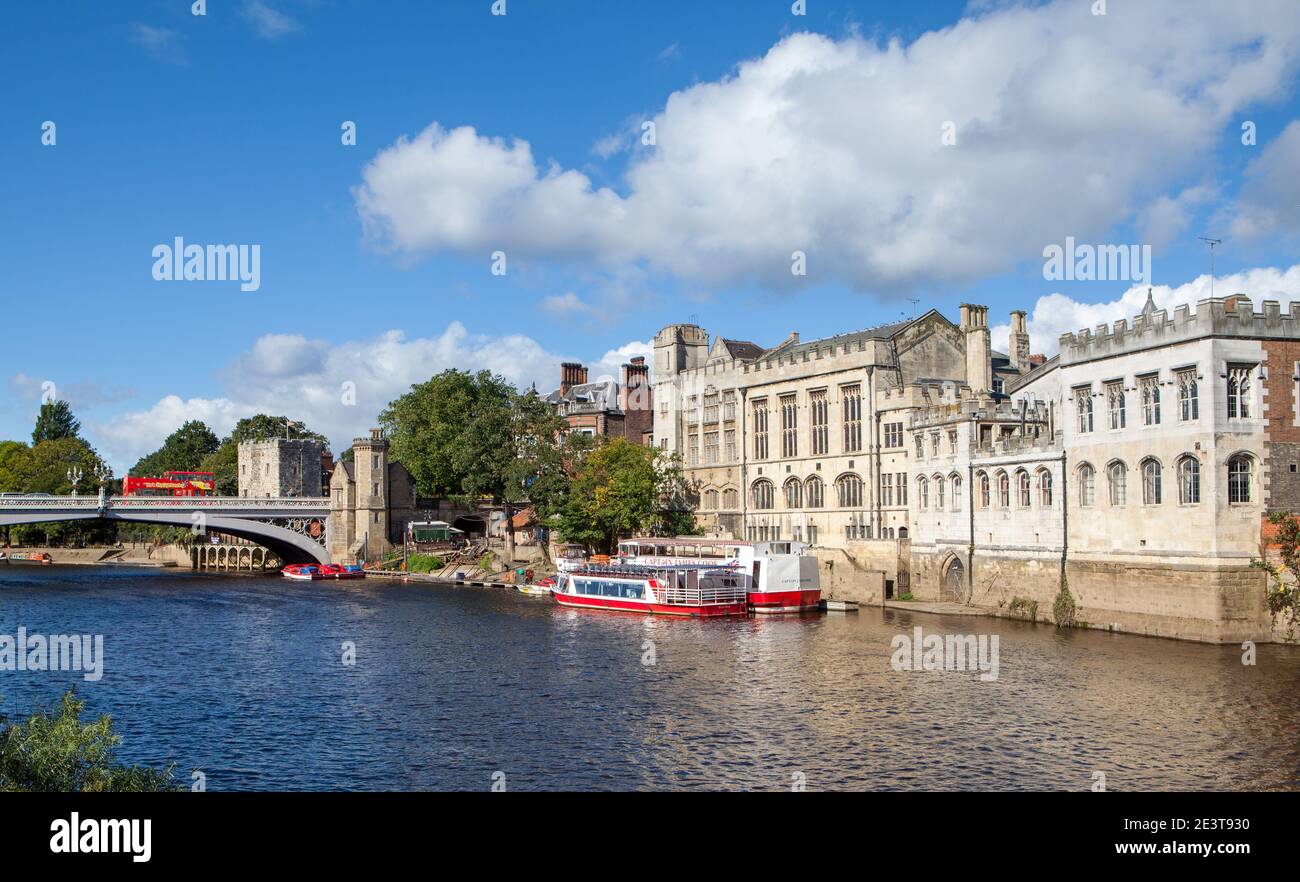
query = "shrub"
{"x": 424, "y": 563}
{"x": 1063, "y": 608}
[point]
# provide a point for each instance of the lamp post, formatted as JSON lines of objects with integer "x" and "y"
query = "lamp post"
{"x": 75, "y": 474}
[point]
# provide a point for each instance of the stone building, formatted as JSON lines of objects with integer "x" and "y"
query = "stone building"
{"x": 1139, "y": 464}
{"x": 371, "y": 501}
{"x": 606, "y": 408}
{"x": 280, "y": 467}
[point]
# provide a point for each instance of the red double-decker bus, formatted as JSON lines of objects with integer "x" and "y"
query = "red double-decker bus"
{"x": 171, "y": 484}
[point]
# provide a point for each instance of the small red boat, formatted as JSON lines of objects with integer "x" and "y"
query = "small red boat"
{"x": 40, "y": 558}
{"x": 317, "y": 572}
{"x": 664, "y": 590}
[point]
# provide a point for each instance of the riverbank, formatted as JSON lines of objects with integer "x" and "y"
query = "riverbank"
{"x": 130, "y": 555}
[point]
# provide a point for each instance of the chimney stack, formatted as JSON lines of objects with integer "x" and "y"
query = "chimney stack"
{"x": 1018, "y": 346}
{"x": 979, "y": 366}
{"x": 571, "y": 374}
{"x": 635, "y": 391}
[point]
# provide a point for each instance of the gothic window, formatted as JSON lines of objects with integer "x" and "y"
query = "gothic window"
{"x": 1189, "y": 480}
{"x": 983, "y": 498}
{"x": 1045, "y": 488}
{"x": 815, "y": 492}
{"x": 1118, "y": 479}
{"x": 923, "y": 493}
{"x": 789, "y": 427}
{"x": 760, "y": 429}
{"x": 852, "y": 404}
{"x": 1115, "y": 405}
{"x": 1151, "y": 490}
{"x": 1087, "y": 485}
{"x": 710, "y": 499}
{"x": 730, "y": 498}
{"x": 1240, "y": 474}
{"x": 763, "y": 495}
{"x": 793, "y": 493}
{"x": 849, "y": 488}
{"x": 887, "y": 490}
{"x": 820, "y": 423}
{"x": 1150, "y": 387}
{"x": 1022, "y": 489}
{"x": 956, "y": 492}
{"x": 1189, "y": 400}
{"x": 1083, "y": 404}
{"x": 1004, "y": 490}
{"x": 1239, "y": 391}
{"x": 939, "y": 489}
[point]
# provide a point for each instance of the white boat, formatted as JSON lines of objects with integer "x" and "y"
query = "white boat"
{"x": 698, "y": 591}
{"x": 783, "y": 576}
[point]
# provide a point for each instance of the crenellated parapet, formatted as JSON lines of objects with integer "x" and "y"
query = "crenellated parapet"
{"x": 1233, "y": 316}
{"x": 981, "y": 410}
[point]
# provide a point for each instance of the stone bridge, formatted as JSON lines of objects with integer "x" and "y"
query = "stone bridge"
{"x": 295, "y": 529}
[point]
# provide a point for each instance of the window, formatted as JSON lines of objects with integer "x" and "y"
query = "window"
{"x": 1239, "y": 478}
{"x": 983, "y": 499}
{"x": 1239, "y": 391}
{"x": 1083, "y": 404}
{"x": 1118, "y": 477}
{"x": 999, "y": 386}
{"x": 956, "y": 492}
{"x": 711, "y": 407}
{"x": 923, "y": 493}
{"x": 820, "y": 423}
{"x": 1004, "y": 490}
{"x": 730, "y": 450}
{"x": 1045, "y": 488}
{"x": 1150, "y": 482}
{"x": 693, "y": 451}
{"x": 901, "y": 483}
{"x": 920, "y": 446}
{"x": 1022, "y": 489}
{"x": 852, "y": 399}
{"x": 729, "y": 405}
{"x": 710, "y": 499}
{"x": 887, "y": 489}
{"x": 789, "y": 427}
{"x": 760, "y": 430}
{"x": 1115, "y": 405}
{"x": 1189, "y": 402}
{"x": 710, "y": 447}
{"x": 893, "y": 434}
{"x": 939, "y": 489}
{"x": 1150, "y": 387}
{"x": 849, "y": 489}
{"x": 1087, "y": 485}
{"x": 730, "y": 498}
{"x": 1189, "y": 480}
{"x": 815, "y": 493}
{"x": 793, "y": 493}
{"x": 763, "y": 495}
{"x": 952, "y": 442}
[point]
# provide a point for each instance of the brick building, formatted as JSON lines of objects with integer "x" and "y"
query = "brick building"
{"x": 607, "y": 408}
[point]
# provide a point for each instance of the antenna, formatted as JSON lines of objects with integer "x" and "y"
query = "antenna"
{"x": 1212, "y": 243}
{"x": 914, "y": 301}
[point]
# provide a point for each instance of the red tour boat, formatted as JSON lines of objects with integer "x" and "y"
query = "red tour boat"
{"x": 782, "y": 576}
{"x": 316, "y": 572}
{"x": 664, "y": 590}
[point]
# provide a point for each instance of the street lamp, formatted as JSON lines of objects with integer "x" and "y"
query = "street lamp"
{"x": 75, "y": 474}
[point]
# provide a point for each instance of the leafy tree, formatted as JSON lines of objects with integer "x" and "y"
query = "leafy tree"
{"x": 261, "y": 427}
{"x": 183, "y": 451}
{"x": 45, "y": 466}
{"x": 426, "y": 425}
{"x": 55, "y": 752}
{"x": 623, "y": 489}
{"x": 224, "y": 465}
{"x": 54, "y": 422}
{"x": 1282, "y": 591}
{"x": 13, "y": 466}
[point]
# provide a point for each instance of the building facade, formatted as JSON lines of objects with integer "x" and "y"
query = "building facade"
{"x": 607, "y": 408}
{"x": 281, "y": 467}
{"x": 371, "y": 501}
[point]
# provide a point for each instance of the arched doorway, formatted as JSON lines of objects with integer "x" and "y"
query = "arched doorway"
{"x": 952, "y": 587}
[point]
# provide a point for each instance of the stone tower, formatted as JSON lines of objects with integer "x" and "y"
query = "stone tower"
{"x": 979, "y": 367}
{"x": 1018, "y": 345}
{"x": 370, "y": 469}
{"x": 279, "y": 467}
{"x": 679, "y": 348}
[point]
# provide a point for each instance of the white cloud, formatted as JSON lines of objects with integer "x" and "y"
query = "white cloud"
{"x": 566, "y": 304}
{"x": 306, "y": 379}
{"x": 1270, "y": 196}
{"x": 1056, "y": 314}
{"x": 163, "y": 44}
{"x": 267, "y": 21}
{"x": 1066, "y": 124}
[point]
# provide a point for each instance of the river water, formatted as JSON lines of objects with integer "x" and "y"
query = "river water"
{"x": 243, "y": 678}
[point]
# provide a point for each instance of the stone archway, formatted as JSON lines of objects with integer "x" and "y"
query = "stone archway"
{"x": 952, "y": 582}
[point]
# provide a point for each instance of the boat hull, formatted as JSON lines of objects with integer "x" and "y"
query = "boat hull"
{"x": 784, "y": 601}
{"x": 658, "y": 609}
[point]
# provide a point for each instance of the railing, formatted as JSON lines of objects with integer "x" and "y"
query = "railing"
{"x": 184, "y": 502}
{"x": 682, "y": 585}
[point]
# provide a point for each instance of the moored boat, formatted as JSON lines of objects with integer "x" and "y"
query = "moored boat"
{"x": 319, "y": 572}
{"x": 782, "y": 576}
{"x": 663, "y": 590}
{"x": 39, "y": 558}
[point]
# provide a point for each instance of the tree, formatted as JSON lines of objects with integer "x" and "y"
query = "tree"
{"x": 55, "y": 752}
{"x": 13, "y": 465}
{"x": 183, "y": 451}
{"x": 261, "y": 427}
{"x": 54, "y": 422}
{"x": 424, "y": 427}
{"x": 623, "y": 489}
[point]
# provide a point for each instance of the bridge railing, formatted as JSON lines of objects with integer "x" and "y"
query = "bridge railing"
{"x": 234, "y": 503}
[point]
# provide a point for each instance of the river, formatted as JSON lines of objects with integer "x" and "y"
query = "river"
{"x": 244, "y": 679}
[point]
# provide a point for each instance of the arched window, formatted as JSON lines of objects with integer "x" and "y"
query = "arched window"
{"x": 923, "y": 493}
{"x": 710, "y": 499}
{"x": 730, "y": 498}
{"x": 793, "y": 493}
{"x": 1151, "y": 489}
{"x": 1004, "y": 490}
{"x": 814, "y": 492}
{"x": 1118, "y": 477}
{"x": 1045, "y": 488}
{"x": 955, "y": 480}
{"x": 763, "y": 495}
{"x": 939, "y": 489}
{"x": 1240, "y": 478}
{"x": 1022, "y": 489}
{"x": 983, "y": 498}
{"x": 1087, "y": 485}
{"x": 1189, "y": 480}
{"x": 849, "y": 488}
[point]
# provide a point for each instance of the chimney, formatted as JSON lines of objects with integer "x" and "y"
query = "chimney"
{"x": 571, "y": 374}
{"x": 979, "y": 366}
{"x": 1018, "y": 345}
{"x": 635, "y": 394}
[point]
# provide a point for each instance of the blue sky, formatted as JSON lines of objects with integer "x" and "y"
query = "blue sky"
{"x": 820, "y": 133}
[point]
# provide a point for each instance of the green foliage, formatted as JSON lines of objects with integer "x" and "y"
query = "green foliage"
{"x": 1025, "y": 606}
{"x": 622, "y": 489}
{"x": 55, "y": 752}
{"x": 1063, "y": 609}
{"x": 55, "y": 422}
{"x": 224, "y": 465}
{"x": 261, "y": 427}
{"x": 182, "y": 451}
{"x": 487, "y": 563}
{"x": 426, "y": 426}
{"x": 424, "y": 563}
{"x": 1282, "y": 593}
{"x": 906, "y": 595}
